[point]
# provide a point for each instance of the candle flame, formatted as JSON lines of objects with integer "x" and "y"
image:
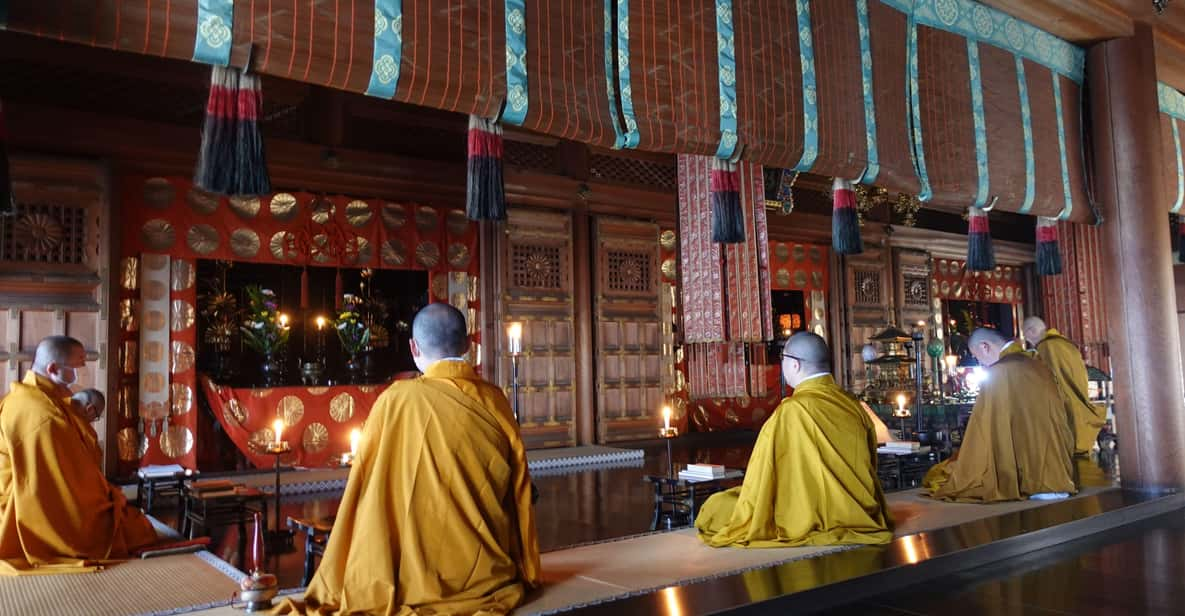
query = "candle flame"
{"x": 666, "y": 417}
{"x": 515, "y": 330}
{"x": 355, "y": 436}
{"x": 901, "y": 401}
{"x": 320, "y": 322}
{"x": 283, "y": 320}
{"x": 278, "y": 428}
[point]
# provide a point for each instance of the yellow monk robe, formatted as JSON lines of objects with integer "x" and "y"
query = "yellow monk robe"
{"x": 58, "y": 514}
{"x": 1069, "y": 370}
{"x": 1018, "y": 441}
{"x": 811, "y": 479}
{"x": 436, "y": 515}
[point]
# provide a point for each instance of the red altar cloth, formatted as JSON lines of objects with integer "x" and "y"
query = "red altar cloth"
{"x": 318, "y": 420}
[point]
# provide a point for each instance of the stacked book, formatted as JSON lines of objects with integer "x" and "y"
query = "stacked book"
{"x": 702, "y": 472}
{"x": 902, "y": 448}
{"x": 209, "y": 488}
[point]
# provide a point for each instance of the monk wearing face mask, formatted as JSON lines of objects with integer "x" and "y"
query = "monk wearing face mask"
{"x": 58, "y": 514}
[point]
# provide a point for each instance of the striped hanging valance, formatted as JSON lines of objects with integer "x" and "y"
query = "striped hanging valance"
{"x": 1172, "y": 117}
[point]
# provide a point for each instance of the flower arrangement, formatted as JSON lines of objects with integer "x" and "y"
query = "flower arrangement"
{"x": 264, "y": 328}
{"x": 352, "y": 330}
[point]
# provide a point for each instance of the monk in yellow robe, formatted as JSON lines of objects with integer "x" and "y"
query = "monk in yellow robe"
{"x": 1018, "y": 443}
{"x": 1069, "y": 370}
{"x": 58, "y": 514}
{"x": 436, "y": 516}
{"x": 811, "y": 479}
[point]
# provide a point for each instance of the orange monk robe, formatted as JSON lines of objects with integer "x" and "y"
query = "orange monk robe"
{"x": 811, "y": 478}
{"x": 1069, "y": 370}
{"x": 58, "y": 514}
{"x": 436, "y": 515}
{"x": 1018, "y": 442}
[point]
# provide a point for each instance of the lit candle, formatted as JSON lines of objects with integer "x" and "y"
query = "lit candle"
{"x": 355, "y": 436}
{"x": 666, "y": 417}
{"x": 514, "y": 338}
{"x": 320, "y": 323}
{"x": 951, "y": 360}
{"x": 901, "y": 403}
{"x": 278, "y": 428}
{"x": 283, "y": 320}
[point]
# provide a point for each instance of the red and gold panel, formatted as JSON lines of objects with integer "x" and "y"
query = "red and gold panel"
{"x": 1073, "y": 302}
{"x": 950, "y": 280}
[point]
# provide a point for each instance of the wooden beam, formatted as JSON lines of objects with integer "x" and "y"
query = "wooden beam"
{"x": 1077, "y": 21}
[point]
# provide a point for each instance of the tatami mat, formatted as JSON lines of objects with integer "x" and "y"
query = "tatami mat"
{"x": 154, "y": 585}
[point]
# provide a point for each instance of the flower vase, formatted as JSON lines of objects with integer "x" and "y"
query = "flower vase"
{"x": 353, "y": 368}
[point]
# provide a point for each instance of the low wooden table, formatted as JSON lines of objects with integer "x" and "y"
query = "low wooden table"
{"x": 151, "y": 487}
{"x": 906, "y": 470}
{"x": 217, "y": 509}
{"x": 677, "y": 501}
{"x": 316, "y": 535}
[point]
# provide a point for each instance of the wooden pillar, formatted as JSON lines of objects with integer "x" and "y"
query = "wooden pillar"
{"x": 1138, "y": 274}
{"x": 582, "y": 256}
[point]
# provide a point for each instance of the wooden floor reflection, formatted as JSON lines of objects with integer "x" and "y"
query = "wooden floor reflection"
{"x": 1139, "y": 569}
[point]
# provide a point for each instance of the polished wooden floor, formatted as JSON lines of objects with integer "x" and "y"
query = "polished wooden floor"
{"x": 1138, "y": 569}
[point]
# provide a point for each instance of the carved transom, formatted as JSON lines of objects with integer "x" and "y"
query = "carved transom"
{"x": 536, "y": 267}
{"x": 917, "y": 291}
{"x": 629, "y": 271}
{"x": 44, "y": 233}
{"x": 867, "y": 287}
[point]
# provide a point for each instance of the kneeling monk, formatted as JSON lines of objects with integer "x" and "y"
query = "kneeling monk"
{"x": 1019, "y": 442}
{"x": 436, "y": 515}
{"x": 57, "y": 511}
{"x": 812, "y": 477}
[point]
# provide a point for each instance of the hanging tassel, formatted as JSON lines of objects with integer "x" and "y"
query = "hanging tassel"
{"x": 845, "y": 223}
{"x": 7, "y": 202}
{"x": 980, "y": 255}
{"x": 724, "y": 190}
{"x": 231, "y": 160}
{"x": 485, "y": 197}
{"x": 1049, "y": 257}
{"x": 337, "y": 291}
{"x": 304, "y": 288}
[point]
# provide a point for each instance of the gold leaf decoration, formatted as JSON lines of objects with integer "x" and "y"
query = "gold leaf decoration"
{"x": 782, "y": 277}
{"x": 129, "y": 315}
{"x": 202, "y": 239}
{"x": 131, "y": 446}
{"x": 155, "y": 290}
{"x": 358, "y": 213}
{"x": 128, "y": 361}
{"x": 668, "y": 269}
{"x": 394, "y": 253}
{"x": 322, "y": 210}
{"x": 158, "y": 193}
{"x": 425, "y": 218}
{"x": 800, "y": 279}
{"x": 202, "y": 202}
{"x": 782, "y": 252}
{"x": 341, "y": 407}
{"x": 283, "y": 245}
{"x": 816, "y": 255}
{"x": 158, "y": 234}
{"x": 320, "y": 248}
{"x": 181, "y": 396}
{"x": 154, "y": 351}
{"x": 817, "y": 279}
{"x": 440, "y": 287}
{"x": 246, "y": 207}
{"x": 666, "y": 239}
{"x": 154, "y": 320}
{"x": 457, "y": 222}
{"x": 176, "y": 441}
{"x": 292, "y": 409}
{"x": 156, "y": 262}
{"x": 181, "y": 359}
{"x": 283, "y": 207}
{"x": 315, "y": 438}
{"x": 129, "y": 273}
{"x": 427, "y": 254}
{"x": 183, "y": 274}
{"x": 233, "y": 413}
{"x": 244, "y": 243}
{"x": 799, "y": 253}
{"x": 458, "y": 255}
{"x": 182, "y": 315}
{"x": 154, "y": 384}
{"x": 260, "y": 440}
{"x": 318, "y": 391}
{"x": 394, "y": 216}
{"x": 358, "y": 251}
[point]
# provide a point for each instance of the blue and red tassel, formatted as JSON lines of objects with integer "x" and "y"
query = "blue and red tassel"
{"x": 1049, "y": 256}
{"x": 485, "y": 197}
{"x": 7, "y": 204}
{"x": 845, "y": 221}
{"x": 232, "y": 159}
{"x": 724, "y": 193}
{"x": 981, "y": 257}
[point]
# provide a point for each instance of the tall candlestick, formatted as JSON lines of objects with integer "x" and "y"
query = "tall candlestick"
{"x": 278, "y": 427}
{"x": 355, "y": 436}
{"x": 666, "y": 417}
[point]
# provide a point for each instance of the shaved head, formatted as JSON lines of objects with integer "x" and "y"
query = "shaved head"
{"x": 985, "y": 344}
{"x": 805, "y": 354}
{"x": 90, "y": 402}
{"x": 1034, "y": 330}
{"x": 438, "y": 332}
{"x": 59, "y": 359}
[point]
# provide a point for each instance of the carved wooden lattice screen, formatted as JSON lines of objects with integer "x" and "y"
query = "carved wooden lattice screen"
{"x": 538, "y": 292}
{"x": 868, "y": 307}
{"x": 628, "y": 330}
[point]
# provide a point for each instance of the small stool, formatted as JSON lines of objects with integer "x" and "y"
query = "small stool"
{"x": 213, "y": 510}
{"x": 316, "y": 535}
{"x": 149, "y": 488}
